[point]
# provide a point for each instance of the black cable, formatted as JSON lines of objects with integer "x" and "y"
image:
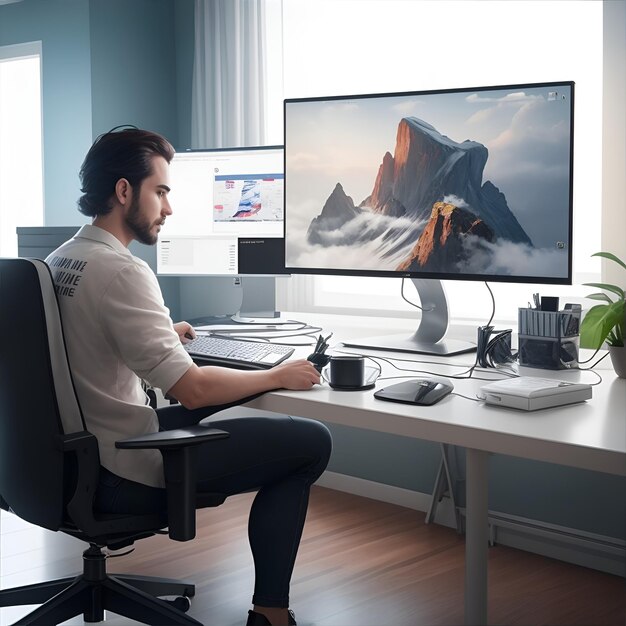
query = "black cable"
{"x": 494, "y": 346}
{"x": 267, "y": 328}
{"x": 281, "y": 339}
{"x": 593, "y": 356}
{"x": 380, "y": 367}
{"x": 454, "y": 393}
{"x": 470, "y": 372}
{"x": 460, "y": 376}
{"x": 277, "y": 335}
{"x": 417, "y": 306}
{"x": 590, "y": 369}
{"x": 493, "y": 304}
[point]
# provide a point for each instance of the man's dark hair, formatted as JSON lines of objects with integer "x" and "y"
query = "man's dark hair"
{"x": 123, "y": 152}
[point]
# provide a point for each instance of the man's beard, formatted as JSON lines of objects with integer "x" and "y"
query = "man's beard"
{"x": 141, "y": 229}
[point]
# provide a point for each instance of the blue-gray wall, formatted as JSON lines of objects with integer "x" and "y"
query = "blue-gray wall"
{"x": 110, "y": 62}
{"x": 133, "y": 65}
{"x": 574, "y": 498}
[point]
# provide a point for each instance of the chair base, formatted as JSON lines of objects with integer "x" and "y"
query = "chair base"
{"x": 95, "y": 591}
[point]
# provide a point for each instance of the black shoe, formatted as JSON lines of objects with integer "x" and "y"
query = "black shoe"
{"x": 258, "y": 619}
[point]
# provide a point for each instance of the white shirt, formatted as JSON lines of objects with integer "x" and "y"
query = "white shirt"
{"x": 118, "y": 331}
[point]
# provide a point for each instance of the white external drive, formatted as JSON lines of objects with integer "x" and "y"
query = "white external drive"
{"x": 529, "y": 393}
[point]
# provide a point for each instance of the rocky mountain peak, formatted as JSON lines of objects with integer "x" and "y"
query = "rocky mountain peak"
{"x": 338, "y": 203}
{"x": 441, "y": 245}
{"x": 426, "y": 167}
{"x": 382, "y": 198}
{"x": 338, "y": 209}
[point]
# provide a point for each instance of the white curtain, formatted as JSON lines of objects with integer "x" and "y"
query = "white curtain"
{"x": 229, "y": 74}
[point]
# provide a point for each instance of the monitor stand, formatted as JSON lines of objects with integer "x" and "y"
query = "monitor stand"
{"x": 258, "y": 302}
{"x": 429, "y": 336}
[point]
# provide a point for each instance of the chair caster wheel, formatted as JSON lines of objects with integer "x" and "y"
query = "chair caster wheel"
{"x": 182, "y": 603}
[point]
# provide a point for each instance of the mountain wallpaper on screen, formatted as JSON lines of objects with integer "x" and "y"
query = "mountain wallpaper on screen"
{"x": 432, "y": 191}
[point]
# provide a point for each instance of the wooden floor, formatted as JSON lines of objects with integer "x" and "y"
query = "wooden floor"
{"x": 361, "y": 563}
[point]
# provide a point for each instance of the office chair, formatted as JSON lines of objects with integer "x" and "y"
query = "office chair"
{"x": 49, "y": 467}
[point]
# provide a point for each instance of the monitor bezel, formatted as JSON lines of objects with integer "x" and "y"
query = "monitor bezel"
{"x": 552, "y": 280}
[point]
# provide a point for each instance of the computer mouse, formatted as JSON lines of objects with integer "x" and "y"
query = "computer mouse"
{"x": 422, "y": 391}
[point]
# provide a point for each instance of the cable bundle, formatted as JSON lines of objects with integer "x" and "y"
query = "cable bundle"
{"x": 494, "y": 350}
{"x": 318, "y": 357}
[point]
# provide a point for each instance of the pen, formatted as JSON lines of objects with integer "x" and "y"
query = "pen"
{"x": 318, "y": 344}
{"x": 327, "y": 338}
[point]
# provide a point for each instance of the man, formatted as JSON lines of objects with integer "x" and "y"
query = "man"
{"x": 118, "y": 332}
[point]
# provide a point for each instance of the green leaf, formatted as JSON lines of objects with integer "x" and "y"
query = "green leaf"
{"x": 599, "y": 296}
{"x": 613, "y": 288}
{"x": 615, "y": 338}
{"x": 612, "y": 257}
{"x": 598, "y": 323}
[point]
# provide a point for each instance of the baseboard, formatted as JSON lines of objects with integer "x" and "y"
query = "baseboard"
{"x": 606, "y": 554}
{"x": 599, "y": 552}
{"x": 388, "y": 493}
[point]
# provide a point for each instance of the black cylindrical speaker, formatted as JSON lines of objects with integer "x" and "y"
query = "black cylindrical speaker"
{"x": 347, "y": 371}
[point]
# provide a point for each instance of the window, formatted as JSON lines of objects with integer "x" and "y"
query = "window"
{"x": 21, "y": 168}
{"x": 333, "y": 47}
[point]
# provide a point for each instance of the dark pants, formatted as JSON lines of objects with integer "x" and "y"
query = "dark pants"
{"x": 279, "y": 456}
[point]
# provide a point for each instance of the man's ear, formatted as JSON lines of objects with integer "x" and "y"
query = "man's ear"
{"x": 123, "y": 191}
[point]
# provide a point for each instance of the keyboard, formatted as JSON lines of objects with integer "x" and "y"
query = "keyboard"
{"x": 238, "y": 353}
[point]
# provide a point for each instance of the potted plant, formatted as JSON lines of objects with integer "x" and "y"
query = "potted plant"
{"x": 607, "y": 321}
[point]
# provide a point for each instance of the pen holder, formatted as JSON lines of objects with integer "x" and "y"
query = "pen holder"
{"x": 548, "y": 339}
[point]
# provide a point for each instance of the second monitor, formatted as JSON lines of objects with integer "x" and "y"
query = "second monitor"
{"x": 227, "y": 219}
{"x": 228, "y": 207}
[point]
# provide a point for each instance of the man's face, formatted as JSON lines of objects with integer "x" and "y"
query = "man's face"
{"x": 149, "y": 205}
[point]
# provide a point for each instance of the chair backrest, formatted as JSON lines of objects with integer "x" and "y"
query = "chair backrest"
{"x": 38, "y": 404}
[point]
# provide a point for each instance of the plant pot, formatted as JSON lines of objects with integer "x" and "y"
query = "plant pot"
{"x": 618, "y": 356}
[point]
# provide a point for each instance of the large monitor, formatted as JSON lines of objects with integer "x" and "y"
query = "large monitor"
{"x": 460, "y": 184}
{"x": 227, "y": 220}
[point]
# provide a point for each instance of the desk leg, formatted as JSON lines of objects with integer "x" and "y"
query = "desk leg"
{"x": 476, "y": 537}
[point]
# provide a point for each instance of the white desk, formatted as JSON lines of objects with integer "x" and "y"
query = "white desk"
{"x": 590, "y": 435}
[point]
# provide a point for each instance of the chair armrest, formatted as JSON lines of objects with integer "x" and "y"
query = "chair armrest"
{"x": 172, "y": 439}
{"x": 179, "y": 449}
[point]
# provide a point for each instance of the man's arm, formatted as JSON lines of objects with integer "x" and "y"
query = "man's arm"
{"x": 205, "y": 386}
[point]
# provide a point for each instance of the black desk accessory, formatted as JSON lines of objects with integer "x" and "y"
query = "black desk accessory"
{"x": 422, "y": 391}
{"x": 549, "y": 303}
{"x": 493, "y": 347}
{"x": 349, "y": 373}
{"x": 318, "y": 357}
{"x": 549, "y": 339}
{"x": 346, "y": 376}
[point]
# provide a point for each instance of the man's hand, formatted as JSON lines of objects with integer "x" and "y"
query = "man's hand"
{"x": 296, "y": 375}
{"x": 185, "y": 331}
